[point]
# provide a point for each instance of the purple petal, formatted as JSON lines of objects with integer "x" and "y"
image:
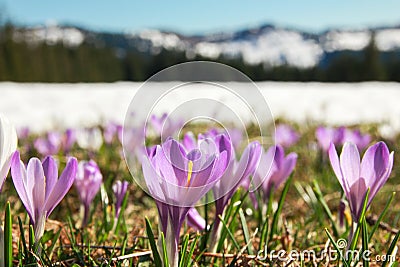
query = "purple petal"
{"x": 279, "y": 156}
{"x": 189, "y": 141}
{"x": 51, "y": 174}
{"x": 350, "y": 163}
{"x": 249, "y": 160}
{"x": 356, "y": 197}
{"x": 35, "y": 173}
{"x": 19, "y": 178}
{"x": 195, "y": 220}
{"x": 289, "y": 164}
{"x": 62, "y": 186}
{"x": 334, "y": 159}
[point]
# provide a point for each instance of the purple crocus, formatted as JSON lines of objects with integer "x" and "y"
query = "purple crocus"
{"x": 8, "y": 145}
{"x": 357, "y": 138}
{"x": 165, "y": 126}
{"x": 274, "y": 169}
{"x": 234, "y": 176}
{"x": 285, "y": 135}
{"x": 178, "y": 179}
{"x": 119, "y": 189}
{"x": 39, "y": 187}
{"x": 49, "y": 145}
{"x": 357, "y": 176}
{"x": 23, "y": 132}
{"x": 195, "y": 220}
{"x": 110, "y": 132}
{"x": 69, "y": 140}
{"x": 88, "y": 181}
{"x": 327, "y": 135}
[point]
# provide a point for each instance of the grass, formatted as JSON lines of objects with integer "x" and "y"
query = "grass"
{"x": 302, "y": 215}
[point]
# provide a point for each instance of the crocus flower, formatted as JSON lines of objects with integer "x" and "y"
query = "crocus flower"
{"x": 110, "y": 132}
{"x": 274, "y": 169}
{"x": 234, "y": 176}
{"x": 327, "y": 135}
{"x": 165, "y": 126}
{"x": 39, "y": 187}
{"x": 356, "y": 177}
{"x": 119, "y": 189}
{"x": 49, "y": 145}
{"x": 23, "y": 132}
{"x": 285, "y": 135}
{"x": 8, "y": 145}
{"x": 69, "y": 140}
{"x": 177, "y": 179}
{"x": 90, "y": 139}
{"x": 195, "y": 220}
{"x": 88, "y": 181}
{"x": 357, "y": 138}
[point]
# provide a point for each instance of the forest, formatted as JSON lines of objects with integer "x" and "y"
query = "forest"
{"x": 88, "y": 62}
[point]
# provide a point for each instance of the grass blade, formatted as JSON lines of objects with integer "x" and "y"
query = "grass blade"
{"x": 277, "y": 214}
{"x": 337, "y": 248}
{"x": 382, "y": 215}
{"x": 153, "y": 245}
{"x": 229, "y": 233}
{"x": 391, "y": 249}
{"x": 245, "y": 231}
{"x": 183, "y": 250}
{"x": 321, "y": 200}
{"x": 165, "y": 253}
{"x": 8, "y": 237}
{"x": 365, "y": 240}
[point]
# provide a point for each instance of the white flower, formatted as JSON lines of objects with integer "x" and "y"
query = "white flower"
{"x": 90, "y": 139}
{"x": 8, "y": 145}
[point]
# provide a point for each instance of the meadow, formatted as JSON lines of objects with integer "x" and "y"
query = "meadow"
{"x": 302, "y": 219}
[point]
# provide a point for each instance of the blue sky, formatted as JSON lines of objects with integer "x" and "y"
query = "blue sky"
{"x": 204, "y": 16}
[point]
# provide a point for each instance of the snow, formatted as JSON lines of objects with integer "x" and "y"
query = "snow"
{"x": 275, "y": 47}
{"x": 47, "y": 106}
{"x": 160, "y": 39}
{"x": 51, "y": 34}
{"x": 388, "y": 39}
{"x": 345, "y": 40}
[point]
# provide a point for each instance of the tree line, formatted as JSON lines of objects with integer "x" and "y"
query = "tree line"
{"x": 27, "y": 62}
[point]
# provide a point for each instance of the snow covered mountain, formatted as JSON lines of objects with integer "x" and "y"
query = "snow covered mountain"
{"x": 269, "y": 45}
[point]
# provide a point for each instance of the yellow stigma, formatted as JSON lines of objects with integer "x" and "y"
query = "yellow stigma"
{"x": 190, "y": 170}
{"x": 347, "y": 215}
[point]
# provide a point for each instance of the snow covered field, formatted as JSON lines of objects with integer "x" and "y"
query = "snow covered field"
{"x": 44, "y": 106}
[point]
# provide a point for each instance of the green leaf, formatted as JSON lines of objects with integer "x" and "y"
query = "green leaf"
{"x": 150, "y": 235}
{"x": 22, "y": 236}
{"x": 8, "y": 237}
{"x": 325, "y": 207}
{"x": 245, "y": 231}
{"x": 229, "y": 233}
{"x": 121, "y": 214}
{"x": 336, "y": 247}
{"x": 277, "y": 214}
{"x": 264, "y": 234}
{"x": 183, "y": 250}
{"x": 365, "y": 240}
{"x": 391, "y": 248}
{"x": 383, "y": 213}
{"x": 54, "y": 242}
{"x": 362, "y": 216}
{"x": 165, "y": 253}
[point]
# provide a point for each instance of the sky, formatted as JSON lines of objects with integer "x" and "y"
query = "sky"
{"x": 203, "y": 16}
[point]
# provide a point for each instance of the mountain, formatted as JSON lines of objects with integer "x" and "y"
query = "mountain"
{"x": 267, "y": 44}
